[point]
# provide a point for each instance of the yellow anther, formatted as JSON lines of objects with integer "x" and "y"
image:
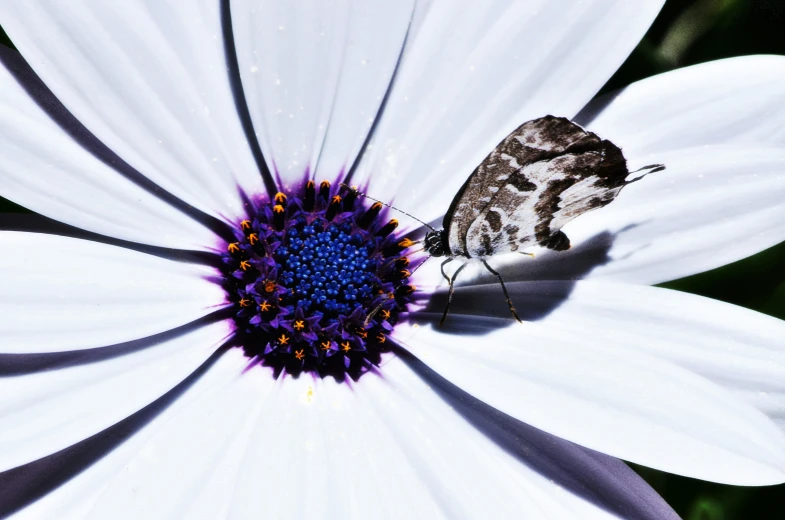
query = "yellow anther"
{"x": 253, "y": 238}
{"x": 299, "y": 354}
{"x": 278, "y": 208}
{"x": 377, "y": 206}
{"x": 244, "y": 302}
{"x": 381, "y": 337}
{"x": 325, "y": 184}
{"x": 325, "y": 345}
{"x": 269, "y": 286}
{"x": 346, "y": 346}
{"x": 284, "y": 339}
{"x": 280, "y": 198}
{"x": 299, "y": 325}
{"x": 336, "y": 199}
{"x": 265, "y": 306}
{"x": 245, "y": 224}
{"x": 405, "y": 243}
{"x": 245, "y": 265}
{"x": 393, "y": 221}
{"x": 386, "y": 314}
{"x": 362, "y": 333}
{"x": 234, "y": 247}
{"x": 406, "y": 273}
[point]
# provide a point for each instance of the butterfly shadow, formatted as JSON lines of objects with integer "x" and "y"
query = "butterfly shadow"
{"x": 537, "y": 287}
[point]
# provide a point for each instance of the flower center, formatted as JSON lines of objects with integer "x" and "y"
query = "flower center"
{"x": 317, "y": 282}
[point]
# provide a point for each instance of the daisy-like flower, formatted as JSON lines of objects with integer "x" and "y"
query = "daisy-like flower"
{"x": 201, "y": 350}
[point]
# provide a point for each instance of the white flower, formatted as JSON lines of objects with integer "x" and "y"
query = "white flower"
{"x": 115, "y": 370}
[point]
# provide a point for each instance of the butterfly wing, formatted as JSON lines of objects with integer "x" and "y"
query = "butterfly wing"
{"x": 535, "y": 141}
{"x": 559, "y": 189}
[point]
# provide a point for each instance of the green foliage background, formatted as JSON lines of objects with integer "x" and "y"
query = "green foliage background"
{"x": 685, "y": 33}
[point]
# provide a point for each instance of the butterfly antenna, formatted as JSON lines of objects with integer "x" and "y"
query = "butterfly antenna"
{"x": 652, "y": 168}
{"x": 355, "y": 190}
{"x": 386, "y": 297}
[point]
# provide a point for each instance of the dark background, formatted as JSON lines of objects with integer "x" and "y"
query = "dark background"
{"x": 685, "y": 33}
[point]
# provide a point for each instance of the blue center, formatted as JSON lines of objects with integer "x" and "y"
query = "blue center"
{"x": 331, "y": 270}
{"x": 317, "y": 282}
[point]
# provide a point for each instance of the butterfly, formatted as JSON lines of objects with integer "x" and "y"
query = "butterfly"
{"x": 544, "y": 174}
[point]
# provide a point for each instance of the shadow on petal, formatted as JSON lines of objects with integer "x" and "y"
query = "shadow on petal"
{"x": 240, "y": 103}
{"x": 602, "y": 480}
{"x": 49, "y": 103}
{"x": 596, "y": 107}
{"x": 19, "y": 487}
{"x": 20, "y": 364}
{"x": 33, "y": 223}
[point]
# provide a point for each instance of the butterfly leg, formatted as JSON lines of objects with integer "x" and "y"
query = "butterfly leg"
{"x": 506, "y": 295}
{"x": 452, "y": 290}
{"x": 443, "y": 273}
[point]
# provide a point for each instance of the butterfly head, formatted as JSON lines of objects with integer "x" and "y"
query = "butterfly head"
{"x": 435, "y": 243}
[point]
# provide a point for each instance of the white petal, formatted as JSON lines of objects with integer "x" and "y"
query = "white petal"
{"x": 63, "y": 294}
{"x": 76, "y": 498}
{"x": 718, "y": 128}
{"x": 736, "y": 100}
{"x": 150, "y": 81}
{"x": 473, "y": 71}
{"x": 738, "y": 349}
{"x": 187, "y": 462}
{"x": 712, "y": 206}
{"x": 623, "y": 370}
{"x": 377, "y": 29}
{"x": 290, "y": 59}
{"x": 314, "y": 75}
{"x": 388, "y": 448}
{"x": 45, "y": 412}
{"x": 188, "y": 469}
{"x": 45, "y": 170}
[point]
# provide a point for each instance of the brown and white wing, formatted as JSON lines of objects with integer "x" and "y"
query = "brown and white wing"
{"x": 534, "y": 141}
{"x": 557, "y": 190}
